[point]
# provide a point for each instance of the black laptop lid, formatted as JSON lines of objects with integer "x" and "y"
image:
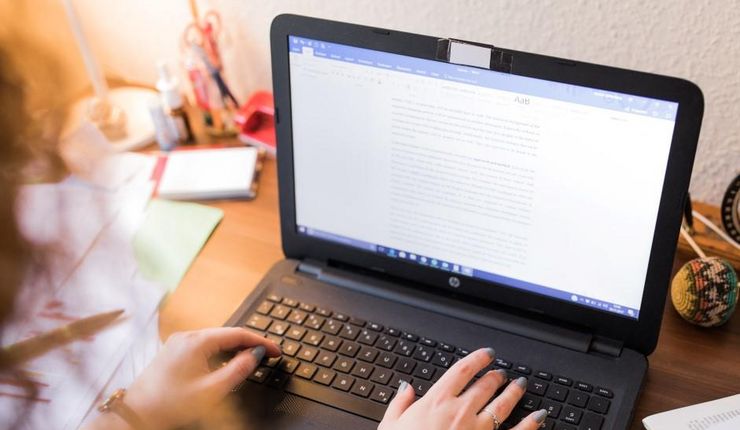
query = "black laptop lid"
{"x": 547, "y": 185}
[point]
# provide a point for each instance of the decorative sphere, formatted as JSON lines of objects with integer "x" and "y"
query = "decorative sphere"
{"x": 704, "y": 291}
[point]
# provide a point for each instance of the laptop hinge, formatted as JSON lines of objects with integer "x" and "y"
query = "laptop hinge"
{"x": 606, "y": 346}
{"x": 493, "y": 318}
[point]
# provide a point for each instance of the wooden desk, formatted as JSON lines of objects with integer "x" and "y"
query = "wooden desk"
{"x": 690, "y": 365}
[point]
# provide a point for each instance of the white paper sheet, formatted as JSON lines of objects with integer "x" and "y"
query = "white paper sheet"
{"x": 721, "y": 414}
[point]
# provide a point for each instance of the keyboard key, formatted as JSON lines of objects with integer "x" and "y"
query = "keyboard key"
{"x": 325, "y": 358}
{"x": 564, "y": 426}
{"x": 524, "y": 370}
{"x": 396, "y": 381}
{"x": 296, "y": 333}
{"x": 277, "y": 340}
{"x": 344, "y": 365}
{"x": 324, "y": 376}
{"x": 349, "y": 349}
{"x": 598, "y": 404}
{"x": 578, "y": 398}
{"x": 332, "y": 327}
{"x": 462, "y": 352}
{"x": 424, "y": 371}
{"x": 543, "y": 375}
{"x": 349, "y": 332}
{"x": 562, "y": 380}
{"x": 293, "y": 303}
{"x": 423, "y": 353}
{"x": 313, "y": 338}
{"x": 374, "y": 326}
{"x": 393, "y": 331}
{"x": 362, "y": 370}
{"x": 428, "y": 342}
{"x": 571, "y": 415}
{"x": 290, "y": 348}
{"x": 552, "y": 408}
{"x": 279, "y": 328}
{"x": 386, "y": 360}
{"x": 547, "y": 425}
{"x": 306, "y": 371}
{"x": 604, "y": 392}
{"x": 446, "y": 347}
{"x": 442, "y": 359}
{"x": 271, "y": 361}
{"x": 362, "y": 388}
{"x": 381, "y": 376}
{"x": 343, "y": 382}
{"x": 258, "y": 322}
{"x": 584, "y": 387}
{"x": 421, "y": 387}
{"x": 307, "y": 353}
{"x": 314, "y": 322}
{"x": 410, "y": 336}
{"x": 357, "y": 321}
{"x": 381, "y": 394}
{"x": 367, "y": 337}
{"x": 331, "y": 343}
{"x": 306, "y": 307}
{"x": 591, "y": 421}
{"x": 367, "y": 354}
{"x": 323, "y": 312}
{"x": 297, "y": 317}
{"x": 277, "y": 379}
{"x": 405, "y": 347}
{"x": 274, "y": 298}
{"x": 405, "y": 365}
{"x": 386, "y": 343}
{"x": 280, "y": 312}
{"x": 530, "y": 403}
{"x": 264, "y": 308}
{"x": 501, "y": 363}
{"x": 537, "y": 387}
{"x": 259, "y": 375}
{"x": 341, "y": 317}
{"x": 288, "y": 365}
{"x": 557, "y": 392}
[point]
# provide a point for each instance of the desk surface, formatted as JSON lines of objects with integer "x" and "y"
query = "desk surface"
{"x": 690, "y": 365}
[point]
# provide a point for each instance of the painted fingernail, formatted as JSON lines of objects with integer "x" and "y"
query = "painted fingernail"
{"x": 402, "y": 387}
{"x": 540, "y": 416}
{"x": 491, "y": 352}
{"x": 501, "y": 372}
{"x": 521, "y": 382}
{"x": 259, "y": 352}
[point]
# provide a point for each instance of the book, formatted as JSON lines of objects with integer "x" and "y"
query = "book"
{"x": 721, "y": 414}
{"x": 206, "y": 174}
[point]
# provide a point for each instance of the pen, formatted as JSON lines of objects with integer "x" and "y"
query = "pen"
{"x": 25, "y": 350}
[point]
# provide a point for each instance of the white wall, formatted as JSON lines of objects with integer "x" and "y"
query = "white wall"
{"x": 694, "y": 39}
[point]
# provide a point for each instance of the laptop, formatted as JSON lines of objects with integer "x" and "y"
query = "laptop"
{"x": 437, "y": 196}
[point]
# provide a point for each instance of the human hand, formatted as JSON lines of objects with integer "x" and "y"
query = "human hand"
{"x": 447, "y": 407}
{"x": 179, "y": 386}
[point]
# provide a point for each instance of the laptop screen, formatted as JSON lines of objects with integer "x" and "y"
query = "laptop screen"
{"x": 532, "y": 184}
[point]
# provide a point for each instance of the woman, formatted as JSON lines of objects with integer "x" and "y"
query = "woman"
{"x": 179, "y": 386}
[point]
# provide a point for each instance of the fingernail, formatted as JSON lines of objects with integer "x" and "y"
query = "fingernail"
{"x": 402, "y": 387}
{"x": 259, "y": 352}
{"x": 491, "y": 352}
{"x": 540, "y": 416}
{"x": 501, "y": 372}
{"x": 521, "y": 382}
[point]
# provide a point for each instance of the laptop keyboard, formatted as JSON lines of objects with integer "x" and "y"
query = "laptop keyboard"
{"x": 356, "y": 365}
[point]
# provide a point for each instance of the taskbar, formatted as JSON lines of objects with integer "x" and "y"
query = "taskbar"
{"x": 453, "y": 267}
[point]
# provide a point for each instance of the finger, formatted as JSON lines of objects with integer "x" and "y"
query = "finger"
{"x": 404, "y": 398}
{"x": 503, "y": 404}
{"x": 236, "y": 370}
{"x": 478, "y": 394}
{"x": 460, "y": 374}
{"x": 532, "y": 421}
{"x": 230, "y": 338}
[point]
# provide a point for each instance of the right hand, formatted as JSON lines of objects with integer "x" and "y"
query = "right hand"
{"x": 449, "y": 406}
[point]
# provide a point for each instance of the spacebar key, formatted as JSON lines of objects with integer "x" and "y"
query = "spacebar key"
{"x": 338, "y": 399}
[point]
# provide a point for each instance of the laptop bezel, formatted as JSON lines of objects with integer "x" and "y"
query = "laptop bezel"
{"x": 640, "y": 334}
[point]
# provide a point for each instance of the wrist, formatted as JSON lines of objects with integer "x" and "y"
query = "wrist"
{"x": 117, "y": 409}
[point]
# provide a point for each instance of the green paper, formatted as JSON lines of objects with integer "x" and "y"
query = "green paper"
{"x": 171, "y": 236}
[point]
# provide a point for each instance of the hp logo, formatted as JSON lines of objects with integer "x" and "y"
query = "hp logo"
{"x": 454, "y": 281}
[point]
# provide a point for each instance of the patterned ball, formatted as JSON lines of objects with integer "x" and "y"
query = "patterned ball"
{"x": 704, "y": 291}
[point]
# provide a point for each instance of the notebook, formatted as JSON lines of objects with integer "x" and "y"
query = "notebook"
{"x": 204, "y": 174}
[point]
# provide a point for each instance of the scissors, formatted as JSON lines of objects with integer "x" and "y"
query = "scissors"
{"x": 204, "y": 33}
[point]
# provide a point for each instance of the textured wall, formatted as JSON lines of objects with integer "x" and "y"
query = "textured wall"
{"x": 694, "y": 39}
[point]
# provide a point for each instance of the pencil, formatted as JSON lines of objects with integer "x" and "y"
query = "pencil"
{"x": 17, "y": 353}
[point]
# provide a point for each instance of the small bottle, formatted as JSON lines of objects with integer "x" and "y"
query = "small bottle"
{"x": 169, "y": 90}
{"x": 162, "y": 129}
